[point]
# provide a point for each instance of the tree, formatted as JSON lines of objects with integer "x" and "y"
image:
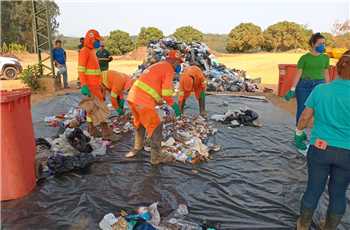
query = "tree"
{"x": 188, "y": 34}
{"x": 343, "y": 41}
{"x": 286, "y": 35}
{"x": 340, "y": 28}
{"x": 119, "y": 42}
{"x": 330, "y": 39}
{"x": 245, "y": 37}
{"x": 19, "y": 16}
{"x": 148, "y": 34}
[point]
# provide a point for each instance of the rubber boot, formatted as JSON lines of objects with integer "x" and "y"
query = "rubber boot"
{"x": 332, "y": 221}
{"x": 106, "y": 130}
{"x": 93, "y": 131}
{"x": 157, "y": 157}
{"x": 202, "y": 111}
{"x": 305, "y": 219}
{"x": 139, "y": 142}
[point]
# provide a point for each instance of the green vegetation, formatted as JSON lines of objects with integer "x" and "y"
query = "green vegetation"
{"x": 119, "y": 42}
{"x": 188, "y": 34}
{"x": 245, "y": 37}
{"x": 148, "y": 34}
{"x": 30, "y": 76}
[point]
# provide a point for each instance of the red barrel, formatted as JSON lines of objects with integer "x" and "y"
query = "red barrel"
{"x": 287, "y": 73}
{"x": 17, "y": 144}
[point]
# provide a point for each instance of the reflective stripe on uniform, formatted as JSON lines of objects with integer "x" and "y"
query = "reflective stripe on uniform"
{"x": 88, "y": 119}
{"x": 81, "y": 68}
{"x": 148, "y": 89}
{"x": 92, "y": 72}
{"x": 167, "y": 92}
{"x": 181, "y": 93}
{"x": 113, "y": 94}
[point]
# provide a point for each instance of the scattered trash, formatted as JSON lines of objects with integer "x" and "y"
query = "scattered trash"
{"x": 243, "y": 117}
{"x": 184, "y": 137}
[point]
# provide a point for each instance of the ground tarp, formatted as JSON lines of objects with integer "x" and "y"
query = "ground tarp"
{"x": 255, "y": 182}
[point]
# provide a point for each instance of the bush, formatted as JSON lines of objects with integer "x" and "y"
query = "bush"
{"x": 30, "y": 76}
{"x": 13, "y": 48}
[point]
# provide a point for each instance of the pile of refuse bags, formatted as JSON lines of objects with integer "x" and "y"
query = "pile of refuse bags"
{"x": 74, "y": 149}
{"x": 185, "y": 138}
{"x": 242, "y": 117}
{"x": 220, "y": 78}
{"x": 148, "y": 218}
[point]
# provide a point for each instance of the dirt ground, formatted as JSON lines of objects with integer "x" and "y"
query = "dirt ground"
{"x": 264, "y": 65}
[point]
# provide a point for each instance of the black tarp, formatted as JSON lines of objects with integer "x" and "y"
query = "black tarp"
{"x": 255, "y": 182}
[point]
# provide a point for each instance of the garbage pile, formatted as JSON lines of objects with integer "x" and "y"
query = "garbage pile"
{"x": 148, "y": 218}
{"x": 62, "y": 120}
{"x": 220, "y": 78}
{"x": 74, "y": 149}
{"x": 121, "y": 123}
{"x": 184, "y": 139}
{"x": 242, "y": 117}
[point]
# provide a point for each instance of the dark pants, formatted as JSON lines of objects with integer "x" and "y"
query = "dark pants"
{"x": 302, "y": 92}
{"x": 332, "y": 162}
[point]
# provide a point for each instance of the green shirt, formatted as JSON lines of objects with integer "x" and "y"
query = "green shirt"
{"x": 313, "y": 67}
{"x": 103, "y": 54}
{"x": 331, "y": 105}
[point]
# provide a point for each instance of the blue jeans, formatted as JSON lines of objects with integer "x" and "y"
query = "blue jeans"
{"x": 302, "y": 92}
{"x": 335, "y": 163}
{"x": 63, "y": 72}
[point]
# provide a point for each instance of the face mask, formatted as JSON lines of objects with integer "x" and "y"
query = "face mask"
{"x": 178, "y": 69}
{"x": 97, "y": 44}
{"x": 320, "y": 48}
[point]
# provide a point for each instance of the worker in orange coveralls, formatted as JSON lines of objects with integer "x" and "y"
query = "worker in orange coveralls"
{"x": 192, "y": 80}
{"x": 116, "y": 84}
{"x": 90, "y": 76}
{"x": 154, "y": 87}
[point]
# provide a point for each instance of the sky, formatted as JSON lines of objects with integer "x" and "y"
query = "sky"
{"x": 209, "y": 16}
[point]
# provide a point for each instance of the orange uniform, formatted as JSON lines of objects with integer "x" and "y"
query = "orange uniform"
{"x": 154, "y": 86}
{"x": 192, "y": 80}
{"x": 117, "y": 83}
{"x": 88, "y": 65}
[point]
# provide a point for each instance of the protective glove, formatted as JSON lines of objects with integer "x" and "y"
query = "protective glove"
{"x": 176, "y": 108}
{"x": 121, "y": 103}
{"x": 300, "y": 138}
{"x": 289, "y": 95}
{"x": 120, "y": 111}
{"x": 202, "y": 95}
{"x": 85, "y": 91}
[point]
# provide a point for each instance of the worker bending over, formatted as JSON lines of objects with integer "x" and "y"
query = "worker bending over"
{"x": 192, "y": 80}
{"x": 116, "y": 84}
{"x": 90, "y": 77}
{"x": 154, "y": 87}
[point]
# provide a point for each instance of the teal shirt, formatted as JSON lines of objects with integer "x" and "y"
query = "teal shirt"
{"x": 331, "y": 105}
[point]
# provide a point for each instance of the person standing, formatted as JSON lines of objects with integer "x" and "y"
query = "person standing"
{"x": 90, "y": 77}
{"x": 312, "y": 71}
{"x": 154, "y": 87}
{"x": 60, "y": 57}
{"x": 329, "y": 152}
{"x": 104, "y": 58}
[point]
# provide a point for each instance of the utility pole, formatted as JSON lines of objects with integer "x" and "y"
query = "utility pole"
{"x": 42, "y": 38}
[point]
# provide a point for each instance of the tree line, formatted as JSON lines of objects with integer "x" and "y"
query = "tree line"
{"x": 245, "y": 37}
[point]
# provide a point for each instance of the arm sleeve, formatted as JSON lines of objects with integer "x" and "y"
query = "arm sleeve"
{"x": 83, "y": 58}
{"x": 312, "y": 100}
{"x": 114, "y": 102}
{"x": 301, "y": 63}
{"x": 167, "y": 87}
{"x": 114, "y": 97}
